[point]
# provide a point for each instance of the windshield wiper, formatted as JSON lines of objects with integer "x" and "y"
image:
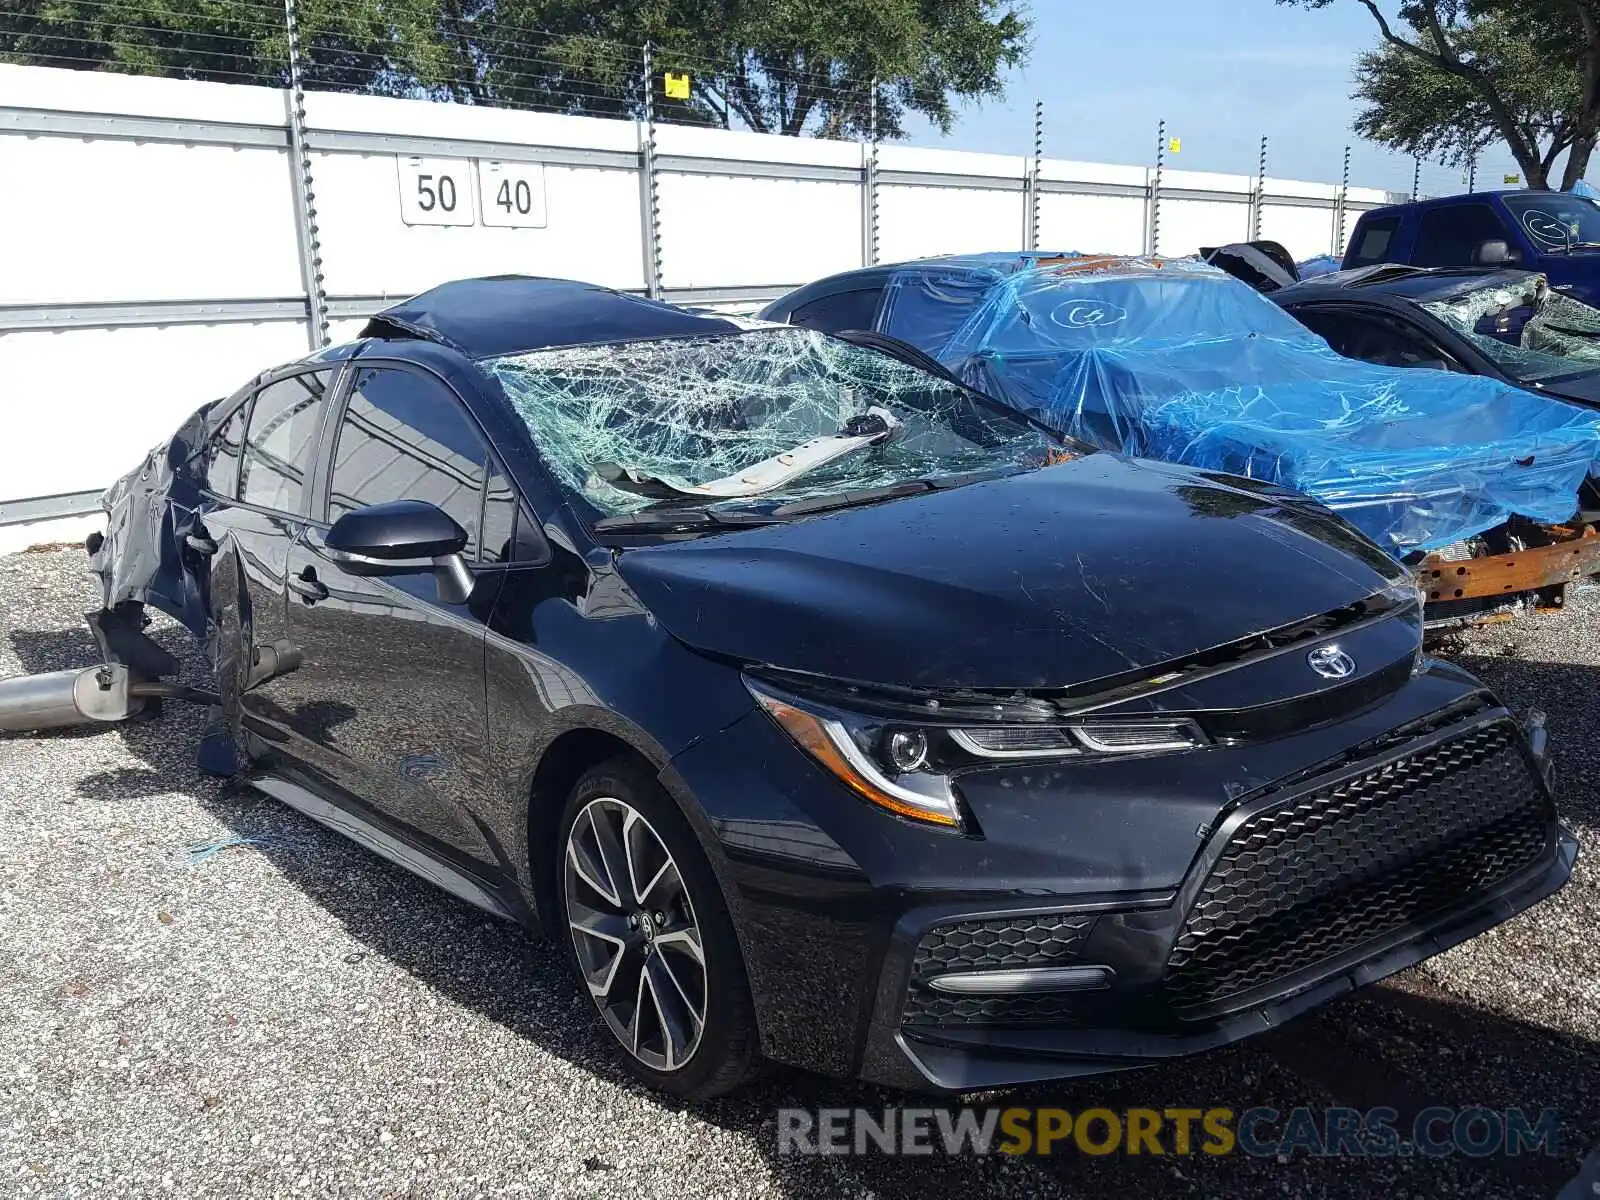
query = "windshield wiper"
{"x": 850, "y": 499}
{"x": 665, "y": 519}
{"x": 890, "y": 491}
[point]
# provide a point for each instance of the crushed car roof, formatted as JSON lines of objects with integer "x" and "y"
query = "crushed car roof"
{"x": 1413, "y": 283}
{"x": 512, "y": 314}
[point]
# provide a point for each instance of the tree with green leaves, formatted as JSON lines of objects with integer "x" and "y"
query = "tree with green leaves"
{"x": 826, "y": 67}
{"x": 1451, "y": 77}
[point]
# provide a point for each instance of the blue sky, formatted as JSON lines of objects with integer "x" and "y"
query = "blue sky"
{"x": 1222, "y": 72}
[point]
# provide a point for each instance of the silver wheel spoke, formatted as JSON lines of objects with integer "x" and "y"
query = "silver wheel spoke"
{"x": 648, "y": 859}
{"x": 588, "y": 859}
{"x": 603, "y": 822}
{"x": 641, "y": 895}
{"x": 603, "y": 946}
{"x": 687, "y": 940}
{"x": 661, "y": 964}
{"x": 638, "y": 1012}
{"x": 675, "y": 1040}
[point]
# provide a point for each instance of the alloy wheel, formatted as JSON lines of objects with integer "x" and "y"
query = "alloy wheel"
{"x": 634, "y": 931}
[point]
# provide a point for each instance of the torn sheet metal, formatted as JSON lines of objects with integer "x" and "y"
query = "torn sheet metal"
{"x": 150, "y": 512}
{"x": 1176, "y": 360}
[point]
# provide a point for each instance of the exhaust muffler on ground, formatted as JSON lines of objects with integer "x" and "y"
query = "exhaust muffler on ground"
{"x": 64, "y": 699}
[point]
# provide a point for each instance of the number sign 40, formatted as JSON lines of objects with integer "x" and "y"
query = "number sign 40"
{"x": 512, "y": 193}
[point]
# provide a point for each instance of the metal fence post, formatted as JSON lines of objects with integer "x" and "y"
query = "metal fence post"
{"x": 1259, "y": 200}
{"x": 869, "y": 185}
{"x": 1472, "y": 173}
{"x": 1154, "y": 228}
{"x": 1416, "y": 179}
{"x": 1034, "y": 171}
{"x": 649, "y": 196}
{"x": 1342, "y": 206}
{"x": 305, "y": 198}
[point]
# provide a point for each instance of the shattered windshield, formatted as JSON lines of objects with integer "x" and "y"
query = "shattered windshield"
{"x": 1529, "y": 331}
{"x": 1557, "y": 222}
{"x": 623, "y": 425}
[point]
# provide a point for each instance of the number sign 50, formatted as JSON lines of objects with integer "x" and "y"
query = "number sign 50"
{"x": 435, "y": 191}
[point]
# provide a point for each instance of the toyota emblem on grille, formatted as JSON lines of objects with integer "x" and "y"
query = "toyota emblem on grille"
{"x": 1331, "y": 662}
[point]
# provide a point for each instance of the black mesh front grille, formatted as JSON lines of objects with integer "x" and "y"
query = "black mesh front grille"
{"x": 993, "y": 944}
{"x": 935, "y": 1008}
{"x": 1336, "y": 867}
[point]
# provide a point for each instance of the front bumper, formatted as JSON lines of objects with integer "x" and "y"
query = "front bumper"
{"x": 1379, "y": 841}
{"x": 973, "y": 1060}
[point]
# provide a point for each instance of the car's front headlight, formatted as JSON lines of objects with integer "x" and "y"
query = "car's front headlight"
{"x": 905, "y": 766}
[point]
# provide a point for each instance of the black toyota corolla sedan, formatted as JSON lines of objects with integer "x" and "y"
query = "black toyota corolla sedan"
{"x": 825, "y": 710}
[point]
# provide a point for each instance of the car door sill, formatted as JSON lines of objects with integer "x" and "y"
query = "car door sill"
{"x": 382, "y": 843}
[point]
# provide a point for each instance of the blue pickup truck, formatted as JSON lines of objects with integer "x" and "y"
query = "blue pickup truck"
{"x": 1555, "y": 233}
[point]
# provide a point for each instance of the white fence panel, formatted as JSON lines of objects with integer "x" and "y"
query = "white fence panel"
{"x": 970, "y": 202}
{"x": 723, "y": 231}
{"x": 93, "y": 218}
{"x": 1091, "y": 224}
{"x": 83, "y": 406}
{"x": 1220, "y": 215}
{"x": 741, "y": 210}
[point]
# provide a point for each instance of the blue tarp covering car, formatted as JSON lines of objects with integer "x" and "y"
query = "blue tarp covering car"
{"x": 1175, "y": 360}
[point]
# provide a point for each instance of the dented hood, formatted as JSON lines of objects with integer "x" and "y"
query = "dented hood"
{"x": 1046, "y": 579}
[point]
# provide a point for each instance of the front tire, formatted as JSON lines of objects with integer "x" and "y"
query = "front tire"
{"x": 649, "y": 936}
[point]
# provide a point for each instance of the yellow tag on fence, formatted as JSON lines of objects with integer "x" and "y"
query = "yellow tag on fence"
{"x": 1175, "y": 145}
{"x": 676, "y": 84}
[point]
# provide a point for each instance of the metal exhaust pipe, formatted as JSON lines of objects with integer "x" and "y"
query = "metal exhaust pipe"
{"x": 64, "y": 699}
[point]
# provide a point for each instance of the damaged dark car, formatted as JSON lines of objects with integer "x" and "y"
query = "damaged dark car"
{"x": 824, "y": 709}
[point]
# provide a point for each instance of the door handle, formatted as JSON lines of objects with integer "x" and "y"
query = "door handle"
{"x": 307, "y": 586}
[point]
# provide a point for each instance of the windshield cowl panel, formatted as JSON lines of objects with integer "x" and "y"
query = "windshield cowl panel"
{"x": 624, "y": 427}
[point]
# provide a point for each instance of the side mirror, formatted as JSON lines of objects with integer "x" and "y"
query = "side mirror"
{"x": 1494, "y": 253}
{"x": 402, "y": 537}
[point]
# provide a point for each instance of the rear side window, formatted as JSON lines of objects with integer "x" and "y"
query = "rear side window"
{"x": 842, "y": 310}
{"x": 1373, "y": 245}
{"x": 220, "y": 461}
{"x": 1372, "y": 338}
{"x": 281, "y": 440}
{"x": 1448, "y": 236}
{"x": 405, "y": 436}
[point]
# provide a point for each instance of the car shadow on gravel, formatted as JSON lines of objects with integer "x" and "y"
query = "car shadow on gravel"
{"x": 1407, "y": 1045}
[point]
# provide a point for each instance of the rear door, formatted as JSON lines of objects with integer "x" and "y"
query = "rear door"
{"x": 257, "y": 469}
{"x": 390, "y": 695}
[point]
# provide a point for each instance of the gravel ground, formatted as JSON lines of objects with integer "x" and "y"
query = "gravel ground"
{"x": 290, "y": 1015}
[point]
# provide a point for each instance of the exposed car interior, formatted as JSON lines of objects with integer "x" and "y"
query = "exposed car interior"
{"x": 1375, "y": 339}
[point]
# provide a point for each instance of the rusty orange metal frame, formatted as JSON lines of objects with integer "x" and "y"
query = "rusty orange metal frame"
{"x": 1568, "y": 560}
